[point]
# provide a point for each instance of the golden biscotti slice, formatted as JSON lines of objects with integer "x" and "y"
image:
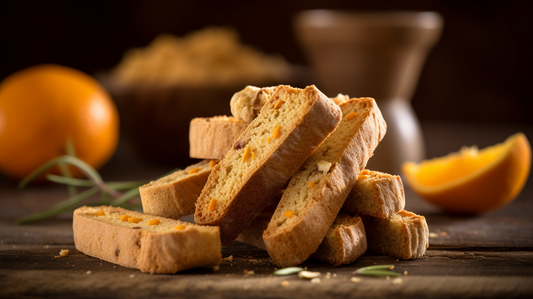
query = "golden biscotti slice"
{"x": 264, "y": 157}
{"x": 404, "y": 235}
{"x": 174, "y": 195}
{"x": 149, "y": 243}
{"x": 212, "y": 137}
{"x": 345, "y": 241}
{"x": 376, "y": 194}
{"x": 316, "y": 193}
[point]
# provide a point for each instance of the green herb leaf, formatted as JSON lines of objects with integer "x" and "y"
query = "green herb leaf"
{"x": 69, "y": 181}
{"x": 288, "y": 271}
{"x": 60, "y": 207}
{"x": 377, "y": 267}
{"x": 379, "y": 270}
{"x": 380, "y": 273}
{"x": 125, "y": 197}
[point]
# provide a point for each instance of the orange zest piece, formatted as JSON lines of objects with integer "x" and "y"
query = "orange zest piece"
{"x": 194, "y": 170}
{"x": 268, "y": 139}
{"x": 246, "y": 153}
{"x": 213, "y": 205}
{"x": 288, "y": 214}
{"x": 278, "y": 104}
{"x": 181, "y": 226}
{"x": 134, "y": 220}
{"x": 100, "y": 213}
{"x": 363, "y": 176}
{"x": 311, "y": 184}
{"x": 351, "y": 116}
{"x": 124, "y": 218}
{"x": 153, "y": 222}
{"x": 365, "y": 171}
{"x": 212, "y": 163}
{"x": 275, "y": 132}
{"x": 253, "y": 155}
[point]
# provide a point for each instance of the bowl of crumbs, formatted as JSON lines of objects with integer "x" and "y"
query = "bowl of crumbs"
{"x": 160, "y": 88}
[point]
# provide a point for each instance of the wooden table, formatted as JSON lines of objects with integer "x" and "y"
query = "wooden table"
{"x": 488, "y": 256}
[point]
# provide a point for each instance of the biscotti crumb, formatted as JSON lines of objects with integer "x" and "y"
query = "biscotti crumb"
{"x": 216, "y": 268}
{"x": 63, "y": 252}
{"x": 356, "y": 279}
{"x": 228, "y": 259}
{"x": 132, "y": 275}
{"x": 433, "y": 235}
{"x": 397, "y": 281}
{"x": 315, "y": 280}
{"x": 443, "y": 234}
{"x": 251, "y": 272}
{"x": 308, "y": 274}
{"x": 404, "y": 272}
{"x": 285, "y": 283}
{"x": 88, "y": 272}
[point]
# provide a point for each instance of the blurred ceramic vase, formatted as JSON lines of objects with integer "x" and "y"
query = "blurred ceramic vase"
{"x": 376, "y": 54}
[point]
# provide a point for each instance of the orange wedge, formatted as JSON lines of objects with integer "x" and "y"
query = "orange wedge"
{"x": 473, "y": 181}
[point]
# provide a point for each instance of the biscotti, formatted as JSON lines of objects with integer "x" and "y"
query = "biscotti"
{"x": 149, "y": 243}
{"x": 291, "y": 125}
{"x": 376, "y": 194}
{"x": 212, "y": 137}
{"x": 174, "y": 195}
{"x": 344, "y": 242}
{"x": 246, "y": 104}
{"x": 316, "y": 193}
{"x": 403, "y": 235}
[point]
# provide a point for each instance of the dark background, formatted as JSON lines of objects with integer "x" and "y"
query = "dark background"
{"x": 480, "y": 70}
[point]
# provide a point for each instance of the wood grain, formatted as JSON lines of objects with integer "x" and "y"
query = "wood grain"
{"x": 484, "y": 256}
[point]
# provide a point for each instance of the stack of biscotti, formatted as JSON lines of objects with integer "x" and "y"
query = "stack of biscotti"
{"x": 379, "y": 200}
{"x": 386, "y": 190}
{"x": 316, "y": 193}
{"x": 289, "y": 128}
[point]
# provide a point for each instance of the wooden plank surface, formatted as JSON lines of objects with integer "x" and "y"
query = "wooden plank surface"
{"x": 489, "y": 256}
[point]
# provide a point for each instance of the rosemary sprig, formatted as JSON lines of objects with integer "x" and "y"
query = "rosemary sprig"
{"x": 379, "y": 270}
{"x": 109, "y": 191}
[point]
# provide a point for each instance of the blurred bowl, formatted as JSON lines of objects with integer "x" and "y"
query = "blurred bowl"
{"x": 155, "y": 119}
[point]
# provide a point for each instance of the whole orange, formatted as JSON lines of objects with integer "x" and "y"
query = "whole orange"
{"x": 42, "y": 107}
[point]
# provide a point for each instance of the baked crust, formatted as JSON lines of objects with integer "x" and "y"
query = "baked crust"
{"x": 174, "y": 195}
{"x": 243, "y": 188}
{"x": 345, "y": 241}
{"x": 152, "y": 249}
{"x": 212, "y": 137}
{"x": 404, "y": 235}
{"x": 291, "y": 240}
{"x": 376, "y": 194}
